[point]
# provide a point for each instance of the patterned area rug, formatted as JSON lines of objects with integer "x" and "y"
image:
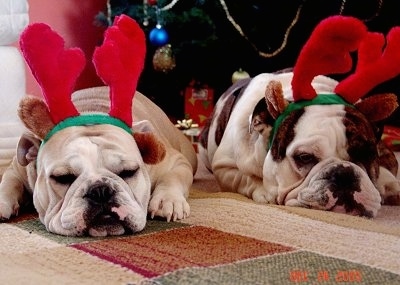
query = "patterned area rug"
{"x": 228, "y": 239}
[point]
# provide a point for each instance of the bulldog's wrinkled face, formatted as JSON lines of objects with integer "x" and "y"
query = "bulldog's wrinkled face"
{"x": 91, "y": 181}
{"x": 325, "y": 157}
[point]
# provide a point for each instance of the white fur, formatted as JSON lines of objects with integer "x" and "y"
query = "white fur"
{"x": 243, "y": 163}
{"x": 96, "y": 155}
{"x": 238, "y": 161}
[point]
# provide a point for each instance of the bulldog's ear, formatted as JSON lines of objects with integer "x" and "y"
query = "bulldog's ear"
{"x": 260, "y": 120}
{"x": 378, "y": 107}
{"x": 150, "y": 147}
{"x": 276, "y": 103}
{"x": 27, "y": 149}
{"x": 35, "y": 115}
{"x": 268, "y": 109}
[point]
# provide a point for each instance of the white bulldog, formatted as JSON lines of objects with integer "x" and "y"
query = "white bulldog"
{"x": 320, "y": 156}
{"x": 94, "y": 164}
{"x": 100, "y": 180}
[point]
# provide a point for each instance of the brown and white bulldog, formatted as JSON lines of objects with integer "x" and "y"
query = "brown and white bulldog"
{"x": 324, "y": 157}
{"x": 100, "y": 180}
{"x": 300, "y": 138}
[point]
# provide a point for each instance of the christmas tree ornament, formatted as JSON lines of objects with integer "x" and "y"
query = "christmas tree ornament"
{"x": 152, "y": 2}
{"x": 158, "y": 36}
{"x": 163, "y": 59}
{"x": 239, "y": 74}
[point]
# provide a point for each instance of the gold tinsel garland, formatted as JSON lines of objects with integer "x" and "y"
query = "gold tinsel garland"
{"x": 165, "y": 60}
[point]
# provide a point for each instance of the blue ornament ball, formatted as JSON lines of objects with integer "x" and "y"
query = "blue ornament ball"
{"x": 158, "y": 36}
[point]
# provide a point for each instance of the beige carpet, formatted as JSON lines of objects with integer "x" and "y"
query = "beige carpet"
{"x": 228, "y": 239}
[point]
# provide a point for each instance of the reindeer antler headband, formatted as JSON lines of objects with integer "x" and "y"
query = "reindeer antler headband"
{"x": 118, "y": 61}
{"x": 328, "y": 52}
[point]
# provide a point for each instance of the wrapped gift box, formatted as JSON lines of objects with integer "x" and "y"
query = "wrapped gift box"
{"x": 199, "y": 103}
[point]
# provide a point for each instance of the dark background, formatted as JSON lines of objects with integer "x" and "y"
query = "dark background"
{"x": 208, "y": 49}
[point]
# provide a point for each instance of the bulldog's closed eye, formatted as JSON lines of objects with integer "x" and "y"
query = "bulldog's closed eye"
{"x": 64, "y": 179}
{"x": 304, "y": 159}
{"x": 127, "y": 173}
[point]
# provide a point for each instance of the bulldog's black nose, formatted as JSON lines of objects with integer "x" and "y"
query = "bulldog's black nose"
{"x": 99, "y": 194}
{"x": 345, "y": 177}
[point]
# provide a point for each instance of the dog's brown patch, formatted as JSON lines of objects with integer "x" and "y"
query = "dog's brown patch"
{"x": 387, "y": 159}
{"x": 362, "y": 142}
{"x": 233, "y": 95}
{"x": 284, "y": 135}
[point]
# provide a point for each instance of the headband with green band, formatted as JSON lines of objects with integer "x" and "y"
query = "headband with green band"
{"x": 87, "y": 120}
{"x": 320, "y": 99}
{"x": 56, "y": 69}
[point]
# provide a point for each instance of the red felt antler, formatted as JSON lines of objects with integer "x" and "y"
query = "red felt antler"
{"x": 56, "y": 69}
{"x": 326, "y": 52}
{"x": 374, "y": 66}
{"x": 119, "y": 62}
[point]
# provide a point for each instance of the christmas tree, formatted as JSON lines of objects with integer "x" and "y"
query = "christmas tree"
{"x": 207, "y": 41}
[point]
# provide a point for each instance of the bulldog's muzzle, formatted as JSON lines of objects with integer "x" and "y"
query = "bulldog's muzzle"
{"x": 100, "y": 199}
{"x": 100, "y": 207}
{"x": 334, "y": 185}
{"x": 107, "y": 211}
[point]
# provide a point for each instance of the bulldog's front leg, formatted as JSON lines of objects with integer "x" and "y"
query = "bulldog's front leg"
{"x": 173, "y": 178}
{"x": 11, "y": 191}
{"x": 231, "y": 179}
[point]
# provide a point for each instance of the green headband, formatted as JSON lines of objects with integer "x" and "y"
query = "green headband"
{"x": 320, "y": 99}
{"x": 87, "y": 120}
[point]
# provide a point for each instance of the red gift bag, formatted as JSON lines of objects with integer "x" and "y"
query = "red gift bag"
{"x": 199, "y": 103}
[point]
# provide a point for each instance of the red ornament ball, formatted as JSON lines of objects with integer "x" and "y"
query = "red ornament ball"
{"x": 152, "y": 2}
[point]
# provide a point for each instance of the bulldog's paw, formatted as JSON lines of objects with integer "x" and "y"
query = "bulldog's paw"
{"x": 260, "y": 195}
{"x": 170, "y": 206}
{"x": 8, "y": 209}
{"x": 388, "y": 187}
{"x": 392, "y": 193}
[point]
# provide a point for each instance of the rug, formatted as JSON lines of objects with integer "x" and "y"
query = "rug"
{"x": 228, "y": 239}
